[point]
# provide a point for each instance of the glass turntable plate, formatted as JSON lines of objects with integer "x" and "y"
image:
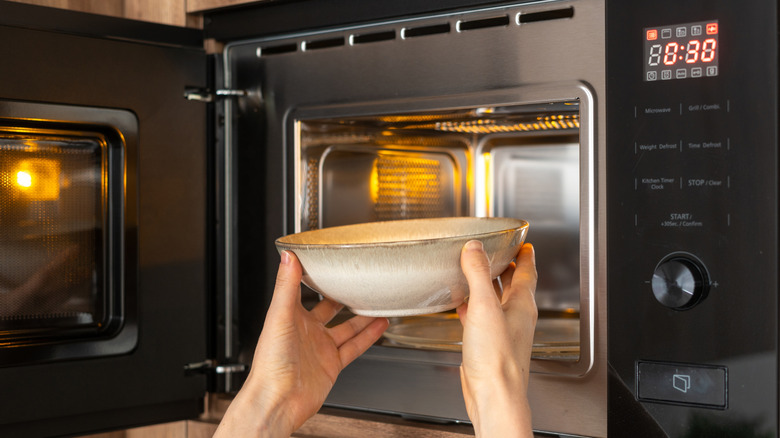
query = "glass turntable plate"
{"x": 554, "y": 337}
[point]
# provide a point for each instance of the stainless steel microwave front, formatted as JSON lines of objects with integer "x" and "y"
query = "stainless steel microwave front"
{"x": 485, "y": 111}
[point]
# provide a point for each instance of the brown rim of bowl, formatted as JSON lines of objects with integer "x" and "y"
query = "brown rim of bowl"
{"x": 290, "y": 245}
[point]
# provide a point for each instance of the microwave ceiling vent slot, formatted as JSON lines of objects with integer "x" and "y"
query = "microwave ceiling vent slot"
{"x": 277, "y": 49}
{"x": 483, "y": 23}
{"x": 324, "y": 43}
{"x": 434, "y": 29}
{"x": 552, "y": 14}
{"x": 374, "y": 37}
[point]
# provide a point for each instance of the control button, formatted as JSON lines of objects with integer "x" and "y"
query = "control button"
{"x": 680, "y": 281}
{"x": 697, "y": 385}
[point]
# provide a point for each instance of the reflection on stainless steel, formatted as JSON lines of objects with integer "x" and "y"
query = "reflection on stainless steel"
{"x": 539, "y": 179}
{"x": 554, "y": 338}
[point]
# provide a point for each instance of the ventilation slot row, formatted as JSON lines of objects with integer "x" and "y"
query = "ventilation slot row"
{"x": 371, "y": 37}
{"x": 413, "y": 32}
{"x": 484, "y": 23}
{"x": 322, "y": 44}
{"x": 277, "y": 50}
{"x": 554, "y": 14}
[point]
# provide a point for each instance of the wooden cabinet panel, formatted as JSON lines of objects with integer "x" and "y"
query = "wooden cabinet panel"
{"x": 167, "y": 12}
{"x": 172, "y": 12}
{"x": 114, "y": 8}
{"x": 205, "y": 5}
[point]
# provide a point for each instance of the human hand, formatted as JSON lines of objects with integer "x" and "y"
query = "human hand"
{"x": 296, "y": 361}
{"x": 498, "y": 331}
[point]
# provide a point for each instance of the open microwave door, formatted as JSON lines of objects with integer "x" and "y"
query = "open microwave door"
{"x": 103, "y": 201}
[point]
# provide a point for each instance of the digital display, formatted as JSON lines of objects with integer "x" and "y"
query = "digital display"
{"x": 681, "y": 51}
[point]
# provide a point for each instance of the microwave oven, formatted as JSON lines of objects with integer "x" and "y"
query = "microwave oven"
{"x": 144, "y": 183}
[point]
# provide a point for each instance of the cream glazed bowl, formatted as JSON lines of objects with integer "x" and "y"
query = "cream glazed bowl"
{"x": 404, "y": 267}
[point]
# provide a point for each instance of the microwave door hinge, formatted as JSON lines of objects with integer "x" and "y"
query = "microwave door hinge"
{"x": 211, "y": 366}
{"x": 209, "y": 95}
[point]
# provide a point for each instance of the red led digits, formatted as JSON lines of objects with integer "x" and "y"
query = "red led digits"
{"x": 680, "y": 51}
{"x": 692, "y": 54}
{"x": 708, "y": 54}
{"x": 670, "y": 54}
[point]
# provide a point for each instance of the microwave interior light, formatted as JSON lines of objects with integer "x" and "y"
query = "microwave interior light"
{"x": 39, "y": 178}
{"x": 374, "y": 183}
{"x": 23, "y": 179}
{"x": 487, "y": 164}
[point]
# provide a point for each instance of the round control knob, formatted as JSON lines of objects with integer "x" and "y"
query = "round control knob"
{"x": 680, "y": 281}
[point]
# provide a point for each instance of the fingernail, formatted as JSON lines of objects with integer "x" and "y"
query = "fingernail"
{"x": 474, "y": 245}
{"x": 285, "y": 257}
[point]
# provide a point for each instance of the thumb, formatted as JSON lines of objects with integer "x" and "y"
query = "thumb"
{"x": 287, "y": 290}
{"x": 476, "y": 267}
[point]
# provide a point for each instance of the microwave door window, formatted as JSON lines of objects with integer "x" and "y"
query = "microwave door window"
{"x": 51, "y": 236}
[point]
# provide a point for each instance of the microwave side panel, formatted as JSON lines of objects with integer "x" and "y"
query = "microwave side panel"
{"x": 708, "y": 366}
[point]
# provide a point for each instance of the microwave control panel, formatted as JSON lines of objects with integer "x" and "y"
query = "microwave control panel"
{"x": 692, "y": 197}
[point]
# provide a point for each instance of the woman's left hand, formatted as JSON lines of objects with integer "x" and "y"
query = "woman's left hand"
{"x": 296, "y": 361}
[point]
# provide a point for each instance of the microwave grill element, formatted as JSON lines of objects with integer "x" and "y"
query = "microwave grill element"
{"x": 406, "y": 188}
{"x": 492, "y": 126}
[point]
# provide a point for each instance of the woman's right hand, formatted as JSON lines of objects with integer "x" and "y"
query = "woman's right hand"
{"x": 498, "y": 330}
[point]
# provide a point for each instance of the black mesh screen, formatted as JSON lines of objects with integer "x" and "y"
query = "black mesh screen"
{"x": 52, "y": 195}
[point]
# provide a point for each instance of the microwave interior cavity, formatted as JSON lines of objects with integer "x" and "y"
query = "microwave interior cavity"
{"x": 520, "y": 160}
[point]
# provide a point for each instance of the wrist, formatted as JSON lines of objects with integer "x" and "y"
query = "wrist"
{"x": 255, "y": 414}
{"x": 504, "y": 418}
{"x": 498, "y": 408}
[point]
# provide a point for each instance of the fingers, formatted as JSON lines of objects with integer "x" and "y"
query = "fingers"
{"x": 287, "y": 290}
{"x": 476, "y": 268}
{"x": 524, "y": 277}
{"x": 358, "y": 343}
{"x": 506, "y": 276}
{"x": 326, "y": 310}
{"x": 463, "y": 311}
{"x": 349, "y": 328}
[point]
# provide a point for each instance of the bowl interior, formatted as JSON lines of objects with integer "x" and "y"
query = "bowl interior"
{"x": 402, "y": 231}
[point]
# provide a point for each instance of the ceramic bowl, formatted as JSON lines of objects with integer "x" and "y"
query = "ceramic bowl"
{"x": 400, "y": 268}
